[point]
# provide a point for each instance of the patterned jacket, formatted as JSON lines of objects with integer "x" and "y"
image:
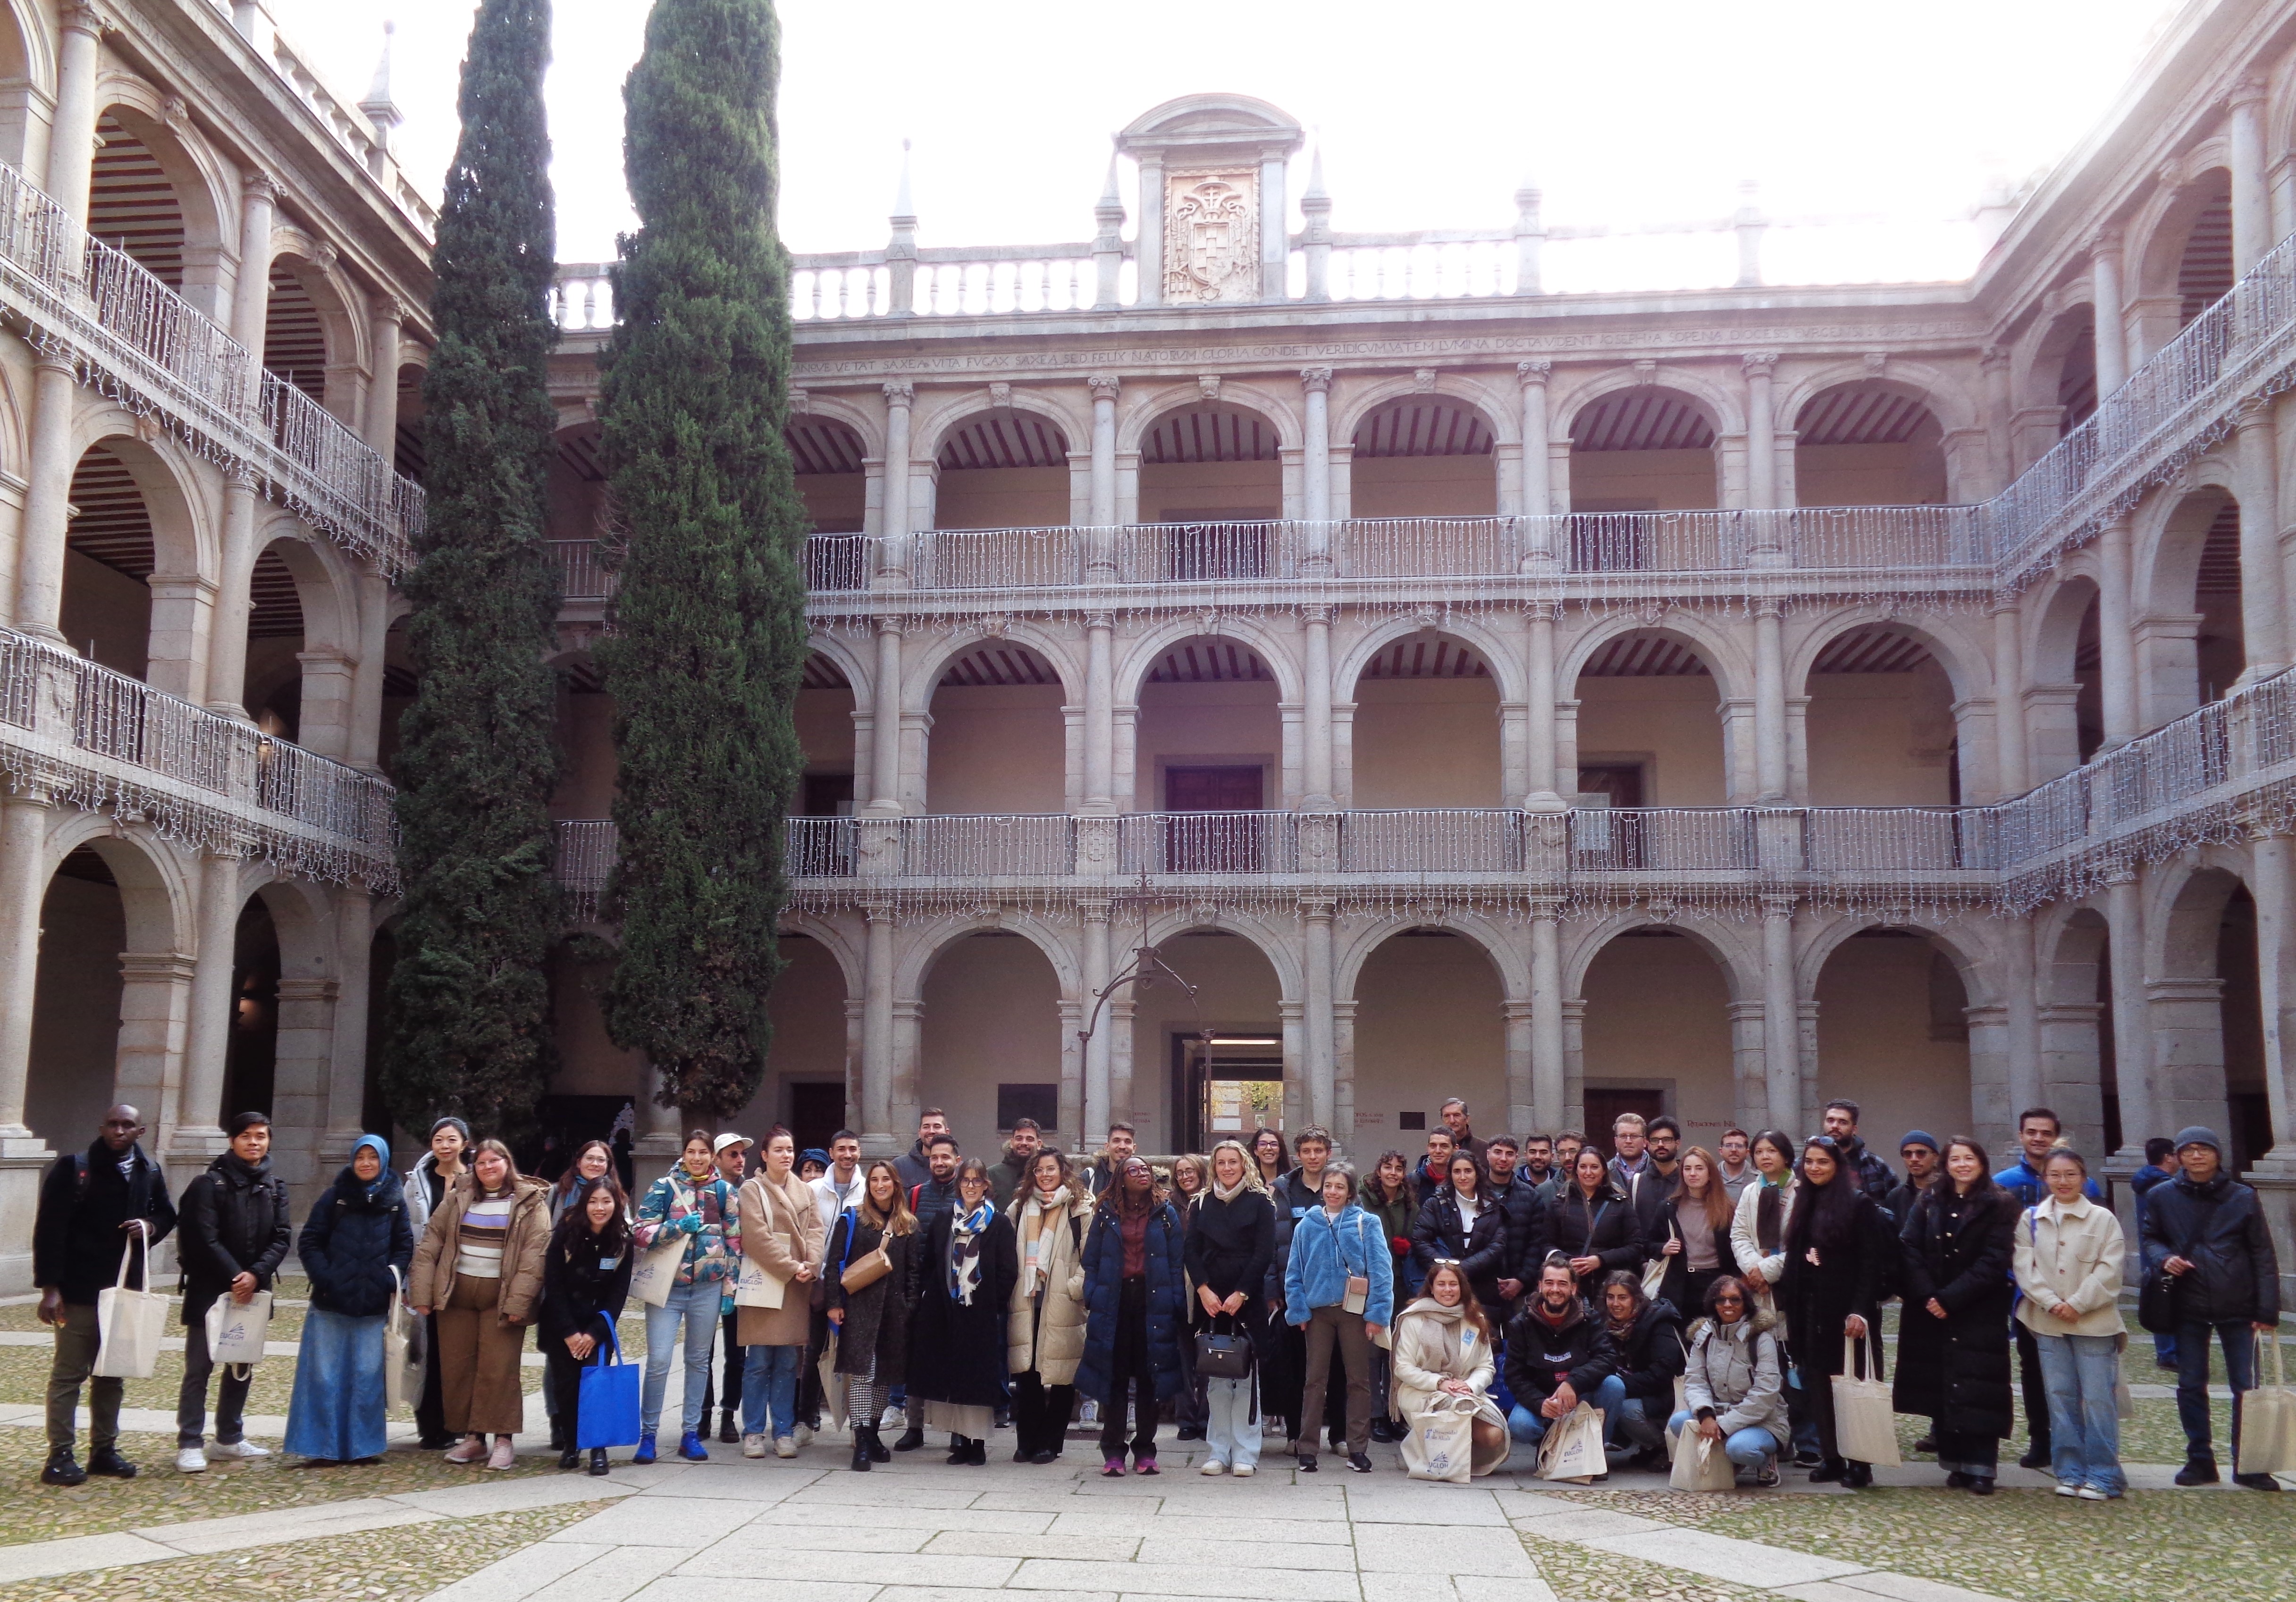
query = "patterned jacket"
{"x": 708, "y": 1213}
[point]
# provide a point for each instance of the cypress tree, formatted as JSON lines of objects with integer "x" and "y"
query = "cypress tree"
{"x": 469, "y": 1002}
{"x": 710, "y": 637}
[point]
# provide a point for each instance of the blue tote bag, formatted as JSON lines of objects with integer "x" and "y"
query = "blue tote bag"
{"x": 608, "y": 1413}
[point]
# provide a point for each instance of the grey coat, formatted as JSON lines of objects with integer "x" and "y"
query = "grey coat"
{"x": 1740, "y": 1375}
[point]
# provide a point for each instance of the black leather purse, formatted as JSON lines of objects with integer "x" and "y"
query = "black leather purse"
{"x": 1223, "y": 1356}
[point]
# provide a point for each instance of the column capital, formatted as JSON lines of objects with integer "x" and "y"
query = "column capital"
{"x": 1767, "y": 606}
{"x": 2253, "y": 411}
{"x": 1097, "y": 909}
{"x": 890, "y": 623}
{"x": 900, "y": 392}
{"x": 1100, "y": 620}
{"x": 257, "y": 185}
{"x": 390, "y": 308}
{"x": 2005, "y": 602}
{"x": 1542, "y": 611}
{"x": 1318, "y": 909}
{"x": 1316, "y": 381}
{"x": 1534, "y": 371}
{"x": 1775, "y": 905}
{"x": 1993, "y": 356}
{"x": 26, "y": 792}
{"x": 2258, "y": 830}
{"x": 1103, "y": 385}
{"x": 1316, "y": 614}
{"x": 1545, "y": 909}
{"x": 2248, "y": 92}
{"x": 877, "y": 910}
{"x": 80, "y": 17}
{"x": 2105, "y": 241}
{"x": 1759, "y": 363}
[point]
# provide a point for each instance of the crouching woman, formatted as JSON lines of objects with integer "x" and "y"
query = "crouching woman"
{"x": 1444, "y": 1362}
{"x": 1735, "y": 1384}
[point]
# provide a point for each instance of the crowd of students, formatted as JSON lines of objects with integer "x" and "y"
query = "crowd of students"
{"x": 1260, "y": 1292}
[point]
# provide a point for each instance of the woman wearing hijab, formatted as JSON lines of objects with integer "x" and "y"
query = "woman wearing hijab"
{"x": 356, "y": 1248}
{"x": 958, "y": 1334}
{"x": 1837, "y": 1244}
{"x": 1133, "y": 1290}
{"x": 1045, "y": 1337}
{"x": 872, "y": 1320}
{"x": 1230, "y": 1243}
{"x": 585, "y": 1279}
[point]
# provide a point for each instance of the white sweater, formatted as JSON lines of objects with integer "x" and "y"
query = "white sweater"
{"x": 2073, "y": 1255}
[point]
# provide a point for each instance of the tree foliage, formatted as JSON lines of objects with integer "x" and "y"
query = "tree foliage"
{"x": 710, "y": 637}
{"x": 467, "y": 1002}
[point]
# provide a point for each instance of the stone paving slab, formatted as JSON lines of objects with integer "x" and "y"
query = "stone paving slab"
{"x": 1405, "y": 1550}
{"x": 40, "y": 1559}
{"x": 1216, "y": 1556}
{"x": 1722, "y": 1557}
{"x": 1172, "y": 1580}
{"x": 1586, "y": 1524}
{"x": 311, "y": 1522}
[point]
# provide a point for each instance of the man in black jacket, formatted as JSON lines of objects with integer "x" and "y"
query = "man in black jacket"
{"x": 913, "y": 1165}
{"x": 1557, "y": 1356}
{"x": 2205, "y": 1228}
{"x": 236, "y": 1232}
{"x": 93, "y": 1206}
{"x": 1525, "y": 1220}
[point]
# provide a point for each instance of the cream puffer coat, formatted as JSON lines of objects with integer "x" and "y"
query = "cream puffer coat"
{"x": 430, "y": 1282}
{"x": 781, "y": 1229}
{"x": 2070, "y": 1255}
{"x": 1433, "y": 1342}
{"x": 1050, "y": 1341}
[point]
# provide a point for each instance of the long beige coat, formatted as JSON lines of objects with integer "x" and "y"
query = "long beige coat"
{"x": 1052, "y": 1344}
{"x": 1433, "y": 1342}
{"x": 431, "y": 1278}
{"x": 781, "y": 1228}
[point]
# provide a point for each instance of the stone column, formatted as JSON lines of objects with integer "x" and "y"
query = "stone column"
{"x": 2111, "y": 334}
{"x": 2009, "y": 697}
{"x": 1521, "y": 1097}
{"x": 2273, "y": 883}
{"x": 366, "y": 688}
{"x": 1316, "y": 713}
{"x": 879, "y": 1137}
{"x": 2021, "y": 1012}
{"x": 71, "y": 138}
{"x": 893, "y": 566}
{"x": 2116, "y": 656}
{"x": 2251, "y": 198}
{"x": 885, "y": 722}
{"x": 380, "y": 415}
{"x": 23, "y": 886}
{"x": 1316, "y": 467}
{"x": 1537, "y": 492}
{"x": 1543, "y": 778}
{"x": 2132, "y": 1022}
{"x": 46, "y": 522}
{"x": 1092, "y": 1123}
{"x": 1769, "y": 706}
{"x": 251, "y": 294}
{"x": 1100, "y": 713}
{"x": 347, "y": 1065}
{"x": 1101, "y": 542}
{"x": 199, "y": 1127}
{"x": 234, "y": 599}
{"x": 1549, "y": 1067}
{"x": 1781, "y": 1013}
{"x": 1315, "y": 914}
{"x": 2261, "y": 607}
{"x": 1761, "y": 430}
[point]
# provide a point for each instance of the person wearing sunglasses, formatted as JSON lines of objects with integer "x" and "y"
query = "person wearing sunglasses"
{"x": 1734, "y": 1387}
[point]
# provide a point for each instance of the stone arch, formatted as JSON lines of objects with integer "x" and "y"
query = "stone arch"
{"x": 2059, "y": 373}
{"x": 1867, "y": 440}
{"x": 1893, "y": 1029}
{"x": 1427, "y": 724}
{"x": 1280, "y": 412}
{"x": 995, "y": 717}
{"x": 2204, "y": 1001}
{"x": 1500, "y": 657}
{"x": 2197, "y": 209}
{"x": 2063, "y": 698}
{"x": 1402, "y": 451}
{"x": 924, "y": 670}
{"x": 1970, "y": 669}
{"x": 868, "y": 427}
{"x": 2188, "y": 582}
{"x": 1508, "y": 959}
{"x": 139, "y": 557}
{"x": 155, "y": 888}
{"x": 858, "y": 670}
{"x": 925, "y": 945}
{"x": 26, "y": 54}
{"x": 1932, "y": 387}
{"x": 206, "y": 191}
{"x": 1009, "y": 466}
{"x": 1972, "y": 956}
{"x": 934, "y": 429}
{"x": 836, "y": 939}
{"x": 1722, "y": 410}
{"x": 1660, "y": 1016}
{"x": 1864, "y": 677}
{"x": 1496, "y": 413}
{"x": 1425, "y": 1011}
{"x": 836, "y": 465}
{"x": 1733, "y": 676}
{"x": 309, "y": 296}
{"x": 1277, "y": 652}
{"x": 303, "y": 638}
{"x": 1737, "y": 955}
{"x": 1278, "y": 946}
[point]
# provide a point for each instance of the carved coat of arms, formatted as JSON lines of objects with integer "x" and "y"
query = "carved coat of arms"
{"x": 1211, "y": 241}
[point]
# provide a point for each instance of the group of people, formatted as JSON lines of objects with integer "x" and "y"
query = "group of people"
{"x": 1260, "y": 1291}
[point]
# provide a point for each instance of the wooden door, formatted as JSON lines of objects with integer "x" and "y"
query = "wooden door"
{"x": 1221, "y": 843}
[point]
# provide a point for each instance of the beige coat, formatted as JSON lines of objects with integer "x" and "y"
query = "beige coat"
{"x": 781, "y": 1228}
{"x": 431, "y": 1279}
{"x": 1433, "y": 1342}
{"x": 2072, "y": 1254}
{"x": 1053, "y": 1344}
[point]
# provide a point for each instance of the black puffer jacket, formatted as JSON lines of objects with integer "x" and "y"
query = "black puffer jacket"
{"x": 1956, "y": 1369}
{"x": 1525, "y": 1211}
{"x": 353, "y": 1240}
{"x": 77, "y": 1240}
{"x": 2220, "y": 1228}
{"x": 1479, "y": 1250}
{"x": 1601, "y": 1226}
{"x": 1652, "y": 1355}
{"x": 235, "y": 1221}
{"x": 1540, "y": 1356}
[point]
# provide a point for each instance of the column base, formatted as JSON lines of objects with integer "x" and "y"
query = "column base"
{"x": 19, "y": 1144}
{"x": 21, "y": 1175}
{"x": 203, "y": 1145}
{"x": 881, "y": 1146}
{"x": 46, "y": 634}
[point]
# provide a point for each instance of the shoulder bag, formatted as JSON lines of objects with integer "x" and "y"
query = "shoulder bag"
{"x": 2156, "y": 1297}
{"x": 1228, "y": 1356}
{"x": 873, "y": 1265}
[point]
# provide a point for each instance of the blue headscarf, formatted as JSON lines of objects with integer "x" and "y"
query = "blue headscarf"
{"x": 382, "y": 1151}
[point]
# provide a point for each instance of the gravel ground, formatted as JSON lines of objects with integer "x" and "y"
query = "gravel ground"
{"x": 2233, "y": 1546}
{"x": 158, "y": 1495}
{"x": 1581, "y": 1574}
{"x": 377, "y": 1566}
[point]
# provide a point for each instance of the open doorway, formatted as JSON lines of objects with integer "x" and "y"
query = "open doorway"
{"x": 1225, "y": 1084}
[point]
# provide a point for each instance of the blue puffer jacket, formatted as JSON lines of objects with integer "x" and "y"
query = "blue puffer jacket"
{"x": 1326, "y": 1251}
{"x": 1103, "y": 1298}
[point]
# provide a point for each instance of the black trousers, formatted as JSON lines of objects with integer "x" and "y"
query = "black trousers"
{"x": 1129, "y": 1376}
{"x": 724, "y": 1342}
{"x": 430, "y": 1410}
{"x": 1040, "y": 1414}
{"x": 808, "y": 1373}
{"x": 2036, "y": 1390}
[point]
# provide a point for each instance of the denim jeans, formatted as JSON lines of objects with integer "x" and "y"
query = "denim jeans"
{"x": 192, "y": 1396}
{"x": 1229, "y": 1430}
{"x": 2084, "y": 1422}
{"x": 1526, "y": 1425}
{"x": 769, "y": 1390}
{"x": 697, "y": 1305}
{"x": 2193, "y": 1382}
{"x": 1748, "y": 1447}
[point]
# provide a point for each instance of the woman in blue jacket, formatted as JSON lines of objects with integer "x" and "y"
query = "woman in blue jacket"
{"x": 1340, "y": 1286}
{"x": 1134, "y": 1298}
{"x": 356, "y": 1248}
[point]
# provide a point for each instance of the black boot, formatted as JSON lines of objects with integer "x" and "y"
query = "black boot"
{"x": 558, "y": 1441}
{"x": 107, "y": 1461}
{"x": 959, "y": 1451}
{"x": 876, "y": 1444}
{"x": 63, "y": 1469}
{"x": 728, "y": 1431}
{"x": 911, "y": 1438}
{"x": 569, "y": 1458}
{"x": 597, "y": 1460}
{"x": 976, "y": 1451}
{"x": 860, "y": 1449}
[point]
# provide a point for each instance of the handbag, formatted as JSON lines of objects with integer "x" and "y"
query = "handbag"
{"x": 1700, "y": 1464}
{"x": 402, "y": 1350}
{"x": 129, "y": 1323}
{"x": 1655, "y": 1271}
{"x": 873, "y": 1266}
{"x": 2156, "y": 1298}
{"x": 654, "y": 1275}
{"x": 237, "y": 1331}
{"x": 606, "y": 1406}
{"x": 1572, "y": 1448}
{"x": 2268, "y": 1417}
{"x": 1865, "y": 1422}
{"x": 1228, "y": 1356}
{"x": 1445, "y": 1435}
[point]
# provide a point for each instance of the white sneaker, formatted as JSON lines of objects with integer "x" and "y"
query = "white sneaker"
{"x": 1244, "y": 1471}
{"x": 804, "y": 1436}
{"x": 2068, "y": 1490}
{"x": 753, "y": 1446}
{"x": 191, "y": 1459}
{"x": 239, "y": 1449}
{"x": 783, "y": 1446}
{"x": 1213, "y": 1466}
{"x": 895, "y": 1418}
{"x": 2090, "y": 1493}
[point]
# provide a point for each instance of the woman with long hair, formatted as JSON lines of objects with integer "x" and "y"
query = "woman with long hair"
{"x": 1757, "y": 1232}
{"x": 1592, "y": 1223}
{"x": 958, "y": 1331}
{"x": 1271, "y": 1155}
{"x": 1647, "y": 1337}
{"x": 1230, "y": 1243}
{"x": 1836, "y": 1247}
{"x": 480, "y": 1266}
{"x": 1391, "y": 1197}
{"x": 1696, "y": 1224}
{"x": 1133, "y": 1290}
{"x": 594, "y": 1160}
{"x": 697, "y": 1204}
{"x": 781, "y": 1232}
{"x": 873, "y": 1318}
{"x": 1956, "y": 1251}
{"x": 356, "y": 1249}
{"x": 1044, "y": 1332}
{"x": 1445, "y": 1348}
{"x": 1191, "y": 1177}
{"x": 1460, "y": 1223}
{"x": 585, "y": 1279}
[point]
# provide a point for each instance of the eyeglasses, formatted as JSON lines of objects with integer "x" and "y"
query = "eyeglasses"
{"x": 1729, "y": 1300}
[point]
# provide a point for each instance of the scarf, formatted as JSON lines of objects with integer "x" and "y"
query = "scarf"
{"x": 1229, "y": 1193}
{"x": 382, "y": 1150}
{"x": 1035, "y": 1213}
{"x": 1768, "y": 1205}
{"x": 964, "y": 1233}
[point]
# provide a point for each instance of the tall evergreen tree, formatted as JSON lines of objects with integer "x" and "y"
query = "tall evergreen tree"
{"x": 710, "y": 636}
{"x": 467, "y": 997}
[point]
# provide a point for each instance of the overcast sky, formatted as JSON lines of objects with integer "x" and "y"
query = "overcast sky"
{"x": 1623, "y": 114}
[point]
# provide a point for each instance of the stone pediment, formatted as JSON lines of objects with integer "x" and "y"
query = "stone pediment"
{"x": 1200, "y": 125}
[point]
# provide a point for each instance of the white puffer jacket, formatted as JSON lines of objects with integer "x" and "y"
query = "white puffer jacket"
{"x": 1739, "y": 1370}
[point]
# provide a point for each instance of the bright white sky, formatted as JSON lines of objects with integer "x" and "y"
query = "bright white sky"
{"x": 1623, "y": 114}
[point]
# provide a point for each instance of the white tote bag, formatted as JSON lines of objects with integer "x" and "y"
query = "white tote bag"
{"x": 402, "y": 1351}
{"x": 1655, "y": 1271}
{"x": 129, "y": 1323}
{"x": 1700, "y": 1464}
{"x": 756, "y": 1287}
{"x": 2268, "y": 1417}
{"x": 654, "y": 1275}
{"x": 1572, "y": 1448}
{"x": 1446, "y": 1440}
{"x": 237, "y": 1331}
{"x": 1864, "y": 1424}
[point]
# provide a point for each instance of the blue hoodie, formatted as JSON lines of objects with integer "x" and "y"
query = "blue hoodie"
{"x": 1325, "y": 1252}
